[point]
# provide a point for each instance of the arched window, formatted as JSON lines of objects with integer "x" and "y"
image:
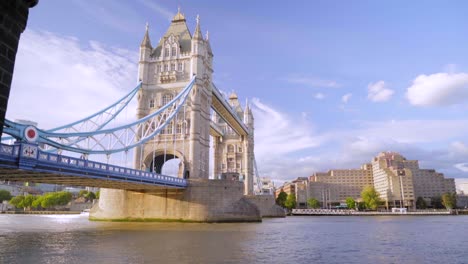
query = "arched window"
{"x": 172, "y": 66}
{"x": 230, "y": 148}
{"x": 166, "y": 99}
{"x": 179, "y": 129}
{"x": 166, "y": 67}
{"x": 166, "y": 52}
{"x": 174, "y": 51}
{"x": 179, "y": 66}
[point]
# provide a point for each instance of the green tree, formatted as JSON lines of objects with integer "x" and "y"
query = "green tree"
{"x": 17, "y": 201}
{"x": 4, "y": 196}
{"x": 37, "y": 202}
{"x": 83, "y": 193}
{"x": 449, "y": 200}
{"x": 421, "y": 203}
{"x": 98, "y": 193}
{"x": 370, "y": 197}
{"x": 290, "y": 201}
{"x": 28, "y": 201}
{"x": 90, "y": 196}
{"x": 350, "y": 203}
{"x": 313, "y": 203}
{"x": 281, "y": 199}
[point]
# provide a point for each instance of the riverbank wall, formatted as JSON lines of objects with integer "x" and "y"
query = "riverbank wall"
{"x": 328, "y": 212}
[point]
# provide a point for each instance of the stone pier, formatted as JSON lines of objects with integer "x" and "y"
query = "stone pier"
{"x": 202, "y": 201}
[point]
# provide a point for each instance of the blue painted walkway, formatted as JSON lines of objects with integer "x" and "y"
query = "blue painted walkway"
{"x": 25, "y": 162}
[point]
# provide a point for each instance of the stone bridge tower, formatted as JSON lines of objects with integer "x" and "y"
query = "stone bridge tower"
{"x": 164, "y": 71}
{"x": 234, "y": 154}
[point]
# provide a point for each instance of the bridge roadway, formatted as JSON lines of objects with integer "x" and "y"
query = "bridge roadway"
{"x": 25, "y": 162}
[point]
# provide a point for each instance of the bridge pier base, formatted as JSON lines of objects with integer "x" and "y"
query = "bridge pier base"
{"x": 202, "y": 201}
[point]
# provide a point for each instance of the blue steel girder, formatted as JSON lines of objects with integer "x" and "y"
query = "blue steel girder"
{"x": 25, "y": 162}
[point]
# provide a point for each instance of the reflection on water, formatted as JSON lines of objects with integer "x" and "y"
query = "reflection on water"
{"x": 74, "y": 239}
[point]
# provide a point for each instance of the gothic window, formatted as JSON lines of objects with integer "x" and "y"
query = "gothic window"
{"x": 172, "y": 66}
{"x": 159, "y": 68}
{"x": 166, "y": 67}
{"x": 179, "y": 129}
{"x": 174, "y": 51}
{"x": 166, "y": 52}
{"x": 151, "y": 103}
{"x": 166, "y": 99}
{"x": 230, "y": 148}
{"x": 179, "y": 66}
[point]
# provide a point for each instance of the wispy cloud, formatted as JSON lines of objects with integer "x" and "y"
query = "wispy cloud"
{"x": 319, "y": 96}
{"x": 438, "y": 89}
{"x": 61, "y": 80}
{"x": 378, "y": 92}
{"x": 311, "y": 81}
{"x": 345, "y": 98}
{"x": 158, "y": 8}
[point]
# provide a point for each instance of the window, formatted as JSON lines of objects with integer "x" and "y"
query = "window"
{"x": 230, "y": 148}
{"x": 166, "y": 52}
{"x": 159, "y": 68}
{"x": 179, "y": 66}
{"x": 166, "y": 99}
{"x": 174, "y": 51}
{"x": 151, "y": 103}
{"x": 240, "y": 149}
{"x": 166, "y": 67}
{"x": 179, "y": 129}
{"x": 238, "y": 165}
{"x": 172, "y": 66}
{"x": 168, "y": 129}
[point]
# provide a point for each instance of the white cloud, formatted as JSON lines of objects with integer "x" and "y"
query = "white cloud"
{"x": 439, "y": 89}
{"x": 57, "y": 80}
{"x": 311, "y": 81}
{"x": 345, "y": 98}
{"x": 277, "y": 134}
{"x": 319, "y": 96}
{"x": 378, "y": 92}
{"x": 158, "y": 8}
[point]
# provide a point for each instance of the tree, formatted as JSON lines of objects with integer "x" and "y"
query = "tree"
{"x": 449, "y": 200}
{"x": 421, "y": 203}
{"x": 281, "y": 199}
{"x": 4, "y": 196}
{"x": 313, "y": 203}
{"x": 83, "y": 193}
{"x": 98, "y": 194}
{"x": 370, "y": 197}
{"x": 90, "y": 196}
{"x": 350, "y": 202}
{"x": 290, "y": 201}
{"x": 28, "y": 201}
{"x": 17, "y": 201}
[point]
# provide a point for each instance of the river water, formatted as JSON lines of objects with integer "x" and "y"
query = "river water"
{"x": 334, "y": 239}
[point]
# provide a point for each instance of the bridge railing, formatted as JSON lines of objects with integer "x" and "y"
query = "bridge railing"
{"x": 12, "y": 153}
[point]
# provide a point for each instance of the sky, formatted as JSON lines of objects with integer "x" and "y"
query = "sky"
{"x": 331, "y": 83}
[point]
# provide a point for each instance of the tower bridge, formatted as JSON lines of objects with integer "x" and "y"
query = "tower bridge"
{"x": 179, "y": 108}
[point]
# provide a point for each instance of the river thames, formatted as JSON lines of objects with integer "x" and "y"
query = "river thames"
{"x": 348, "y": 239}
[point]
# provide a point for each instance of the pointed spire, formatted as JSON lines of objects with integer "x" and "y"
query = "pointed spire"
{"x": 198, "y": 34}
{"x": 146, "y": 40}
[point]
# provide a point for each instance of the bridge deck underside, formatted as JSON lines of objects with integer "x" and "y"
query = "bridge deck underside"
{"x": 18, "y": 175}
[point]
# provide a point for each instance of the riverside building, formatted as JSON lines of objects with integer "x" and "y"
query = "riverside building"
{"x": 399, "y": 182}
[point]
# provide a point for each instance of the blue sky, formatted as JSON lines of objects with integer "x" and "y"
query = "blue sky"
{"x": 332, "y": 83}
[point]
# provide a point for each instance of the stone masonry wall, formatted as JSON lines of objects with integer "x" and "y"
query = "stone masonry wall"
{"x": 267, "y": 206}
{"x": 13, "y": 19}
{"x": 203, "y": 201}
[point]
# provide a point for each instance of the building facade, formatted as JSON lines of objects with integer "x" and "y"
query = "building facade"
{"x": 334, "y": 186}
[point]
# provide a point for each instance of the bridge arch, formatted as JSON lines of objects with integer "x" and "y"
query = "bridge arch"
{"x": 155, "y": 162}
